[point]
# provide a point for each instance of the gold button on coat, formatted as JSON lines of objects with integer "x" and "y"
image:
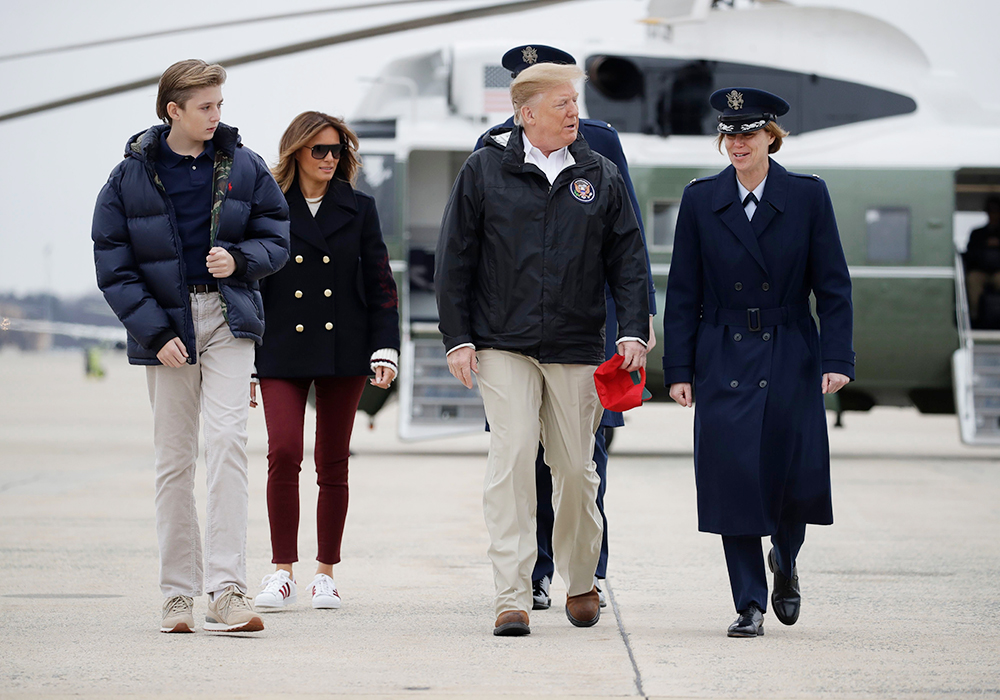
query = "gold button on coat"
{"x": 299, "y": 328}
{"x": 327, "y": 293}
{"x": 326, "y": 258}
{"x": 298, "y": 293}
{"x": 329, "y": 326}
{"x": 298, "y": 258}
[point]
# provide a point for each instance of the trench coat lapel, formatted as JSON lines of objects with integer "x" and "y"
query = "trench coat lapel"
{"x": 773, "y": 200}
{"x": 304, "y": 224}
{"x": 339, "y": 207}
{"x": 726, "y": 203}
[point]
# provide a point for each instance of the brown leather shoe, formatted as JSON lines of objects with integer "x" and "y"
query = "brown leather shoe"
{"x": 584, "y": 610}
{"x": 512, "y": 623}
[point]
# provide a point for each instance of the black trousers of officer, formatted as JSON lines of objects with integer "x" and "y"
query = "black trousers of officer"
{"x": 745, "y": 559}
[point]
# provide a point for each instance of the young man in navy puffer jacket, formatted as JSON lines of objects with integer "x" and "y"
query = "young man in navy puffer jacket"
{"x": 185, "y": 226}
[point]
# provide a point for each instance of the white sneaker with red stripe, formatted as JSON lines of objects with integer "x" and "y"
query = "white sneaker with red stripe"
{"x": 279, "y": 591}
{"x": 324, "y": 593}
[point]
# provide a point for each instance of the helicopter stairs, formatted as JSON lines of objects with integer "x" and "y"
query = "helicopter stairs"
{"x": 976, "y": 373}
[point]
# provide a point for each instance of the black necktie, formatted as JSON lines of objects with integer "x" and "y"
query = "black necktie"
{"x": 751, "y": 197}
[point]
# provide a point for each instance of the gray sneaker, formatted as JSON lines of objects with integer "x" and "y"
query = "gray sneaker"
{"x": 177, "y": 614}
{"x": 232, "y": 611}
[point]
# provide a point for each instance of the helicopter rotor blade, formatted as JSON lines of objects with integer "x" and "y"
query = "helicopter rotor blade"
{"x": 299, "y": 47}
{"x": 200, "y": 27}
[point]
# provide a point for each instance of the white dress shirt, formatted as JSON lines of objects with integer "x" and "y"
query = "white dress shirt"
{"x": 551, "y": 164}
{"x": 758, "y": 192}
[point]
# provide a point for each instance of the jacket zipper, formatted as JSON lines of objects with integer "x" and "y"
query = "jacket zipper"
{"x": 188, "y": 321}
{"x": 533, "y": 169}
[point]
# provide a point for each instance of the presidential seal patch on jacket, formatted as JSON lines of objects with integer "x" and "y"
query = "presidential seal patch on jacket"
{"x": 582, "y": 190}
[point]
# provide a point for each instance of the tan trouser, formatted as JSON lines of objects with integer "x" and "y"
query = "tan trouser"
{"x": 527, "y": 401}
{"x": 218, "y": 388}
{"x": 976, "y": 281}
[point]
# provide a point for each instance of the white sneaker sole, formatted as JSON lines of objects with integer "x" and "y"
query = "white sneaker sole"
{"x": 179, "y": 627}
{"x": 254, "y": 624}
{"x": 323, "y": 603}
{"x": 267, "y": 604}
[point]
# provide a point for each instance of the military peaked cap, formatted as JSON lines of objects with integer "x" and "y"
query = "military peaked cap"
{"x": 745, "y": 110}
{"x": 521, "y": 57}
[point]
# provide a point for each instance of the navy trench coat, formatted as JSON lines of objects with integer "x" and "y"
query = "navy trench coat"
{"x": 738, "y": 326}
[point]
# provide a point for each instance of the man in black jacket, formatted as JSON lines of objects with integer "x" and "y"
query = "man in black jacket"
{"x": 185, "y": 226}
{"x": 603, "y": 139}
{"x": 535, "y": 226}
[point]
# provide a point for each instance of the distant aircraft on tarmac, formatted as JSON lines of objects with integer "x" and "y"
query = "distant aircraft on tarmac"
{"x": 908, "y": 161}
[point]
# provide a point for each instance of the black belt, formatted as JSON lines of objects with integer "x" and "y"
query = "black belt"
{"x": 203, "y": 288}
{"x": 754, "y": 319}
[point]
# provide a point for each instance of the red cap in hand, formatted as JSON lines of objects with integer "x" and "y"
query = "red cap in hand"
{"x": 620, "y": 390}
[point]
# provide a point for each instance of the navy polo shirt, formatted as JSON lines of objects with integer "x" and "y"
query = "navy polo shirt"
{"x": 188, "y": 182}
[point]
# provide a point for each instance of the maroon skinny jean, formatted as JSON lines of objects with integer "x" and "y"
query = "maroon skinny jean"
{"x": 284, "y": 412}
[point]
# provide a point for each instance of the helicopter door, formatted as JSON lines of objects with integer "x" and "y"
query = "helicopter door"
{"x": 976, "y": 363}
{"x": 432, "y": 402}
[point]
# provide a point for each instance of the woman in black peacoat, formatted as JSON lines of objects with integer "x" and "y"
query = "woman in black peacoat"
{"x": 331, "y": 320}
{"x": 751, "y": 244}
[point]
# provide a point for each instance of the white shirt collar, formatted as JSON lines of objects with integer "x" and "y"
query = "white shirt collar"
{"x": 758, "y": 191}
{"x": 551, "y": 165}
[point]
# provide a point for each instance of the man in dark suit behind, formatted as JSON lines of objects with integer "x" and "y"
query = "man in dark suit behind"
{"x": 982, "y": 260}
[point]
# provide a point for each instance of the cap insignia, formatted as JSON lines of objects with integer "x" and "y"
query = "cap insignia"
{"x": 735, "y": 99}
{"x": 754, "y": 125}
{"x": 529, "y": 55}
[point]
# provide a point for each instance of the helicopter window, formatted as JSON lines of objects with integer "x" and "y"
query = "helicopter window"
{"x": 888, "y": 235}
{"x": 664, "y": 222}
{"x": 665, "y": 96}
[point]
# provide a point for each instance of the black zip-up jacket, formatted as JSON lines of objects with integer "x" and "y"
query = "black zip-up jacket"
{"x": 521, "y": 266}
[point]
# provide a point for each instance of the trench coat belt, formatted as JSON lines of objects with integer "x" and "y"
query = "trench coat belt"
{"x": 754, "y": 319}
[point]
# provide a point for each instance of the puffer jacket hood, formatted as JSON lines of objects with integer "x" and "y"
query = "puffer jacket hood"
{"x": 138, "y": 251}
{"x": 145, "y": 145}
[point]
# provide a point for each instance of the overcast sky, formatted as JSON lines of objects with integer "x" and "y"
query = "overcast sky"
{"x": 52, "y": 165}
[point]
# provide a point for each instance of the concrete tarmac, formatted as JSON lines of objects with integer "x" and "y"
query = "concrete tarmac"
{"x": 901, "y": 596}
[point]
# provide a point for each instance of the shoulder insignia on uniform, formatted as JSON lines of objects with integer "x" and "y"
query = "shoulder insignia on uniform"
{"x": 701, "y": 179}
{"x": 597, "y": 124}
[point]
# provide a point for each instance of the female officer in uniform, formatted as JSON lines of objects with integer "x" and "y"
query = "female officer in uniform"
{"x": 332, "y": 320}
{"x": 751, "y": 244}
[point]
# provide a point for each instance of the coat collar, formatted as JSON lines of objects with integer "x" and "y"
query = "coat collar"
{"x": 512, "y": 143}
{"x": 339, "y": 207}
{"x": 726, "y": 202}
{"x": 146, "y": 144}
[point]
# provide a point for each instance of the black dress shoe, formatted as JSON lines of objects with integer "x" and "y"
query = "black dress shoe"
{"x": 750, "y": 623}
{"x": 785, "y": 597}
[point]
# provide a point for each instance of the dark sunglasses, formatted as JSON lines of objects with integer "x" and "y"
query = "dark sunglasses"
{"x": 319, "y": 152}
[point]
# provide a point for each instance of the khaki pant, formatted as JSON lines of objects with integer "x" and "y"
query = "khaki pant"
{"x": 527, "y": 401}
{"x": 217, "y": 388}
